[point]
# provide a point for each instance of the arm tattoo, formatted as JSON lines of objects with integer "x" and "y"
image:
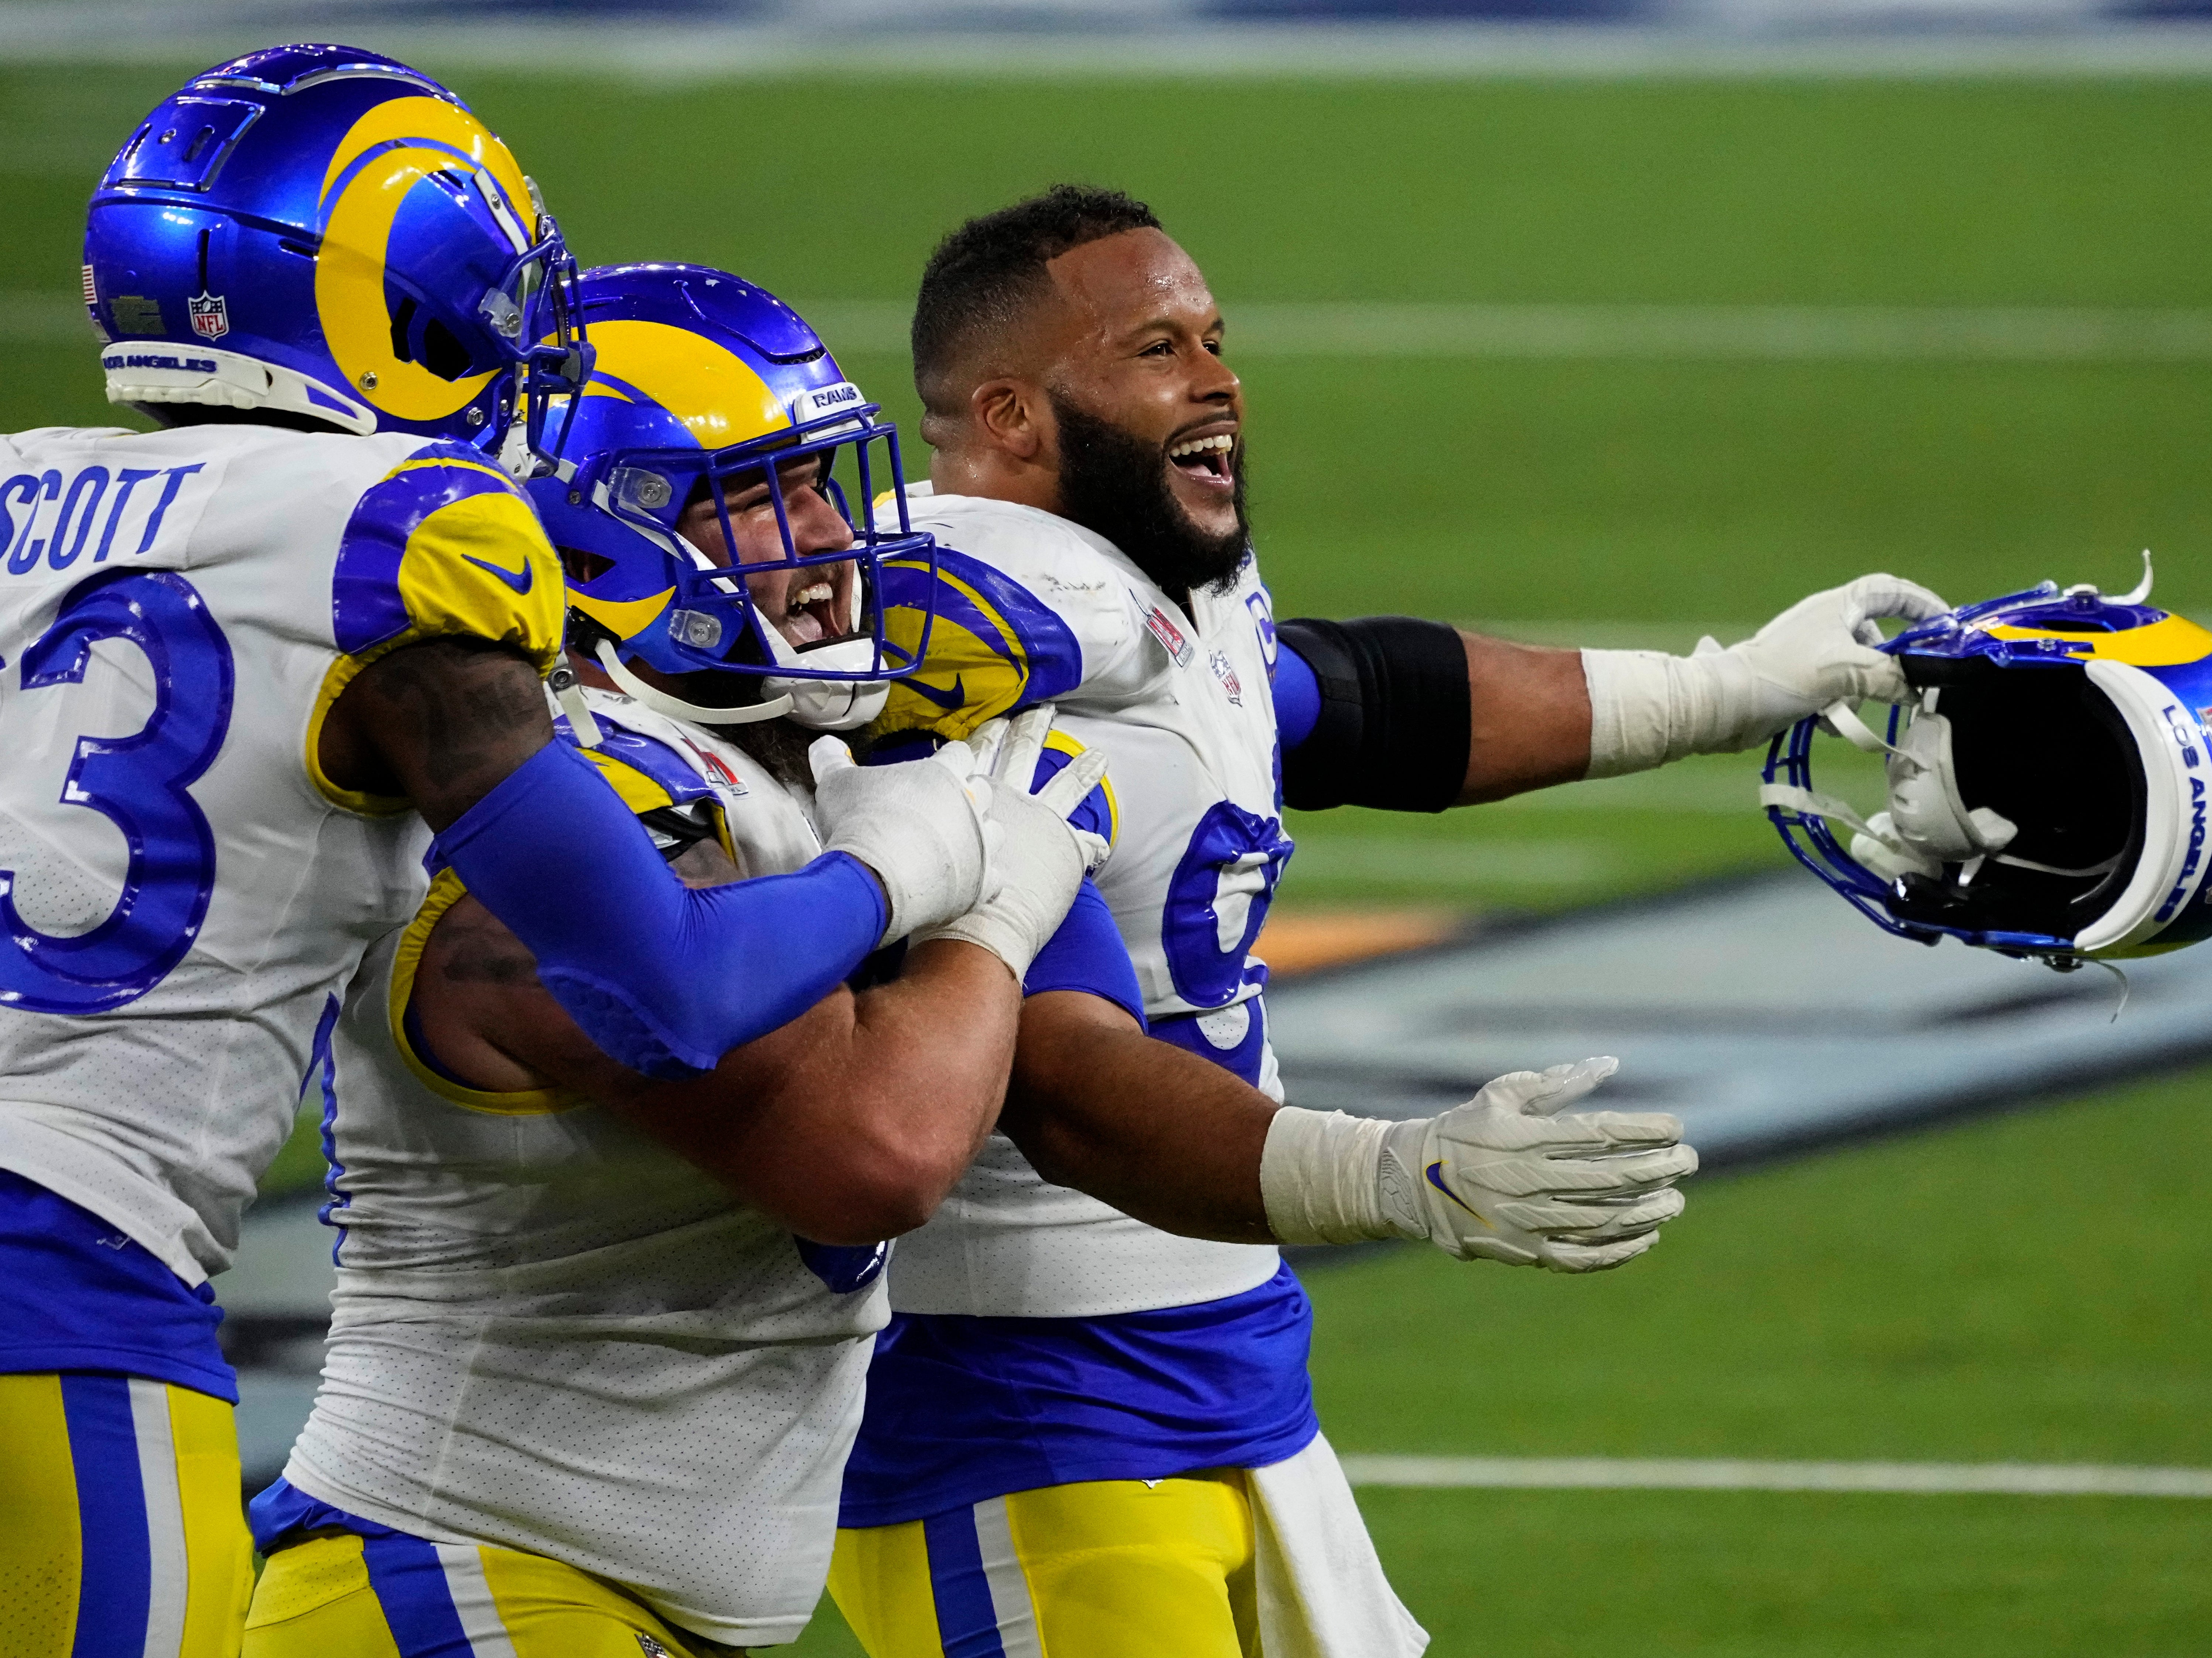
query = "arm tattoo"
{"x": 452, "y": 717}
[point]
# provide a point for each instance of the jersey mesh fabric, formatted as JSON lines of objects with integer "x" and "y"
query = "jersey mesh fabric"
{"x": 552, "y": 1336}
{"x": 1042, "y": 1335}
{"x": 179, "y": 590}
{"x": 1032, "y": 608}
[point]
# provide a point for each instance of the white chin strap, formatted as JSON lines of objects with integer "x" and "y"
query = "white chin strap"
{"x": 675, "y": 707}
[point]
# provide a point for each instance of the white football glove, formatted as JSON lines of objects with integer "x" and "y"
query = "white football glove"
{"x": 1512, "y": 1176}
{"x": 1041, "y": 857}
{"x": 1820, "y": 651}
{"x": 1647, "y": 707}
{"x": 923, "y": 826}
{"x": 1509, "y": 1176}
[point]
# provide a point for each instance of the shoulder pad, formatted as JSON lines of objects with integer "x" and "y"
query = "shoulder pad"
{"x": 650, "y": 761}
{"x": 678, "y": 787}
{"x": 1029, "y": 609}
{"x": 443, "y": 544}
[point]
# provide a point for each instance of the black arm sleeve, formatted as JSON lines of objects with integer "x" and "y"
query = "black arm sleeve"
{"x": 1394, "y": 721}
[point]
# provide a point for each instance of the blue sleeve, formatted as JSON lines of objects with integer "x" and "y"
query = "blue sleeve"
{"x": 664, "y": 978}
{"x": 1297, "y": 698}
{"x": 1087, "y": 954}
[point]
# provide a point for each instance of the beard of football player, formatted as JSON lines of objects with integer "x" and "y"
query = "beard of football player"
{"x": 1115, "y": 483}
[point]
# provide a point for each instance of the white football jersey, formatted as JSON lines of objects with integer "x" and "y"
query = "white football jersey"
{"x": 1031, "y": 608}
{"x": 183, "y": 890}
{"x": 551, "y": 1334}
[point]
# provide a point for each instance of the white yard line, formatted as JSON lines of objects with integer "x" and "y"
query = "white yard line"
{"x": 1681, "y": 332}
{"x": 1725, "y": 1474}
{"x": 1550, "y": 332}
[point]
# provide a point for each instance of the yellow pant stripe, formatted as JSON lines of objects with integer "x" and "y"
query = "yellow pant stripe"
{"x": 1108, "y": 1569}
{"x": 879, "y": 1578}
{"x": 40, "y": 1559}
{"x": 218, "y": 1549}
{"x": 320, "y": 1599}
{"x": 314, "y": 1598}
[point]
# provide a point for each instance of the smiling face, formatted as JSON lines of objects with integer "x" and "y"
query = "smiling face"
{"x": 806, "y": 606}
{"x": 1139, "y": 348}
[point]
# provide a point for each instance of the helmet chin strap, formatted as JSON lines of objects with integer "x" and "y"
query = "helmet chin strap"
{"x": 675, "y": 707}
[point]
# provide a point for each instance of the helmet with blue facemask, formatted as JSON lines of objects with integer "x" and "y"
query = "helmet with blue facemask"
{"x": 703, "y": 387}
{"x": 328, "y": 235}
{"x": 2048, "y": 783}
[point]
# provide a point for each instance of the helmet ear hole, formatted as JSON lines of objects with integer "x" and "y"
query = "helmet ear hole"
{"x": 582, "y": 566}
{"x": 442, "y": 354}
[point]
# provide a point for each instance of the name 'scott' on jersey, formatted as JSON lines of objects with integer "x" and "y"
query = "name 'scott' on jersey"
{"x": 183, "y": 893}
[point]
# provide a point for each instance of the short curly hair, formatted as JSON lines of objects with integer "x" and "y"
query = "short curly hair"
{"x": 988, "y": 272}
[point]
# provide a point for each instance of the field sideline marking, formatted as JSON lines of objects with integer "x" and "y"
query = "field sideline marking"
{"x": 1725, "y": 1474}
{"x": 1786, "y": 333}
{"x": 1742, "y": 333}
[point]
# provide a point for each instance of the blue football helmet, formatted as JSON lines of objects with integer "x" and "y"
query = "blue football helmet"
{"x": 322, "y": 232}
{"x": 699, "y": 382}
{"x": 2047, "y": 786}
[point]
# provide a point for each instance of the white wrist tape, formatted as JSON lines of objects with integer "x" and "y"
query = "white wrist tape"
{"x": 1320, "y": 1177}
{"x": 1648, "y": 708}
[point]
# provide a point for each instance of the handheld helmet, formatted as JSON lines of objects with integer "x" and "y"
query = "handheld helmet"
{"x": 322, "y": 232}
{"x": 2047, "y": 786}
{"x": 704, "y": 387}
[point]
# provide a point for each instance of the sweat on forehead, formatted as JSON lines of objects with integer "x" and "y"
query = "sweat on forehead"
{"x": 981, "y": 288}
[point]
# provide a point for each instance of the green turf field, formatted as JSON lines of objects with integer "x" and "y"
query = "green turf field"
{"x": 2030, "y": 1287}
{"x": 2010, "y": 1289}
{"x": 1674, "y": 496}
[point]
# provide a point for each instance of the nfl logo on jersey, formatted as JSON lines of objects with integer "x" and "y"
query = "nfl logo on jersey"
{"x": 211, "y": 316}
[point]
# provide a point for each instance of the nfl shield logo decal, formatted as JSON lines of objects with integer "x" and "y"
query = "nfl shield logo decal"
{"x": 211, "y": 316}
{"x": 1226, "y": 671}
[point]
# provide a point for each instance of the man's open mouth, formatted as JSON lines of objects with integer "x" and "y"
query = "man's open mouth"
{"x": 809, "y": 615}
{"x": 1205, "y": 460}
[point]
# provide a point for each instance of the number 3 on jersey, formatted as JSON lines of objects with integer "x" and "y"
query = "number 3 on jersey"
{"x": 138, "y": 784}
{"x": 1217, "y": 900}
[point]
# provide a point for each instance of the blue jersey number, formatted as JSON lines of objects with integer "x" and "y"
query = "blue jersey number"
{"x": 1233, "y": 853}
{"x": 137, "y": 783}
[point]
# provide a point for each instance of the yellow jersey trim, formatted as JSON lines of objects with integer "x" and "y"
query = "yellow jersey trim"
{"x": 445, "y": 891}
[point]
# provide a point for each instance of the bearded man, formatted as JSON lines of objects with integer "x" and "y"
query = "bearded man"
{"x": 1082, "y": 1435}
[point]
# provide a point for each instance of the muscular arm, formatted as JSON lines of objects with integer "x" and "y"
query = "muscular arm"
{"x": 1528, "y": 718}
{"x": 1407, "y": 716}
{"x": 848, "y": 1124}
{"x": 1157, "y": 1132}
{"x": 440, "y": 723}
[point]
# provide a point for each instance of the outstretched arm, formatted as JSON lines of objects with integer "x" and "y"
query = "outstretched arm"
{"x": 1149, "y": 1127}
{"x": 1179, "y": 1143}
{"x": 1380, "y": 711}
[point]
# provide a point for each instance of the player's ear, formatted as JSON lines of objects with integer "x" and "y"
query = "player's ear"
{"x": 1012, "y": 416}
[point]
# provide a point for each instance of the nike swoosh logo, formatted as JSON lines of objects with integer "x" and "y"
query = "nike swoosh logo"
{"x": 1437, "y": 1180}
{"x": 952, "y": 702}
{"x": 518, "y": 580}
